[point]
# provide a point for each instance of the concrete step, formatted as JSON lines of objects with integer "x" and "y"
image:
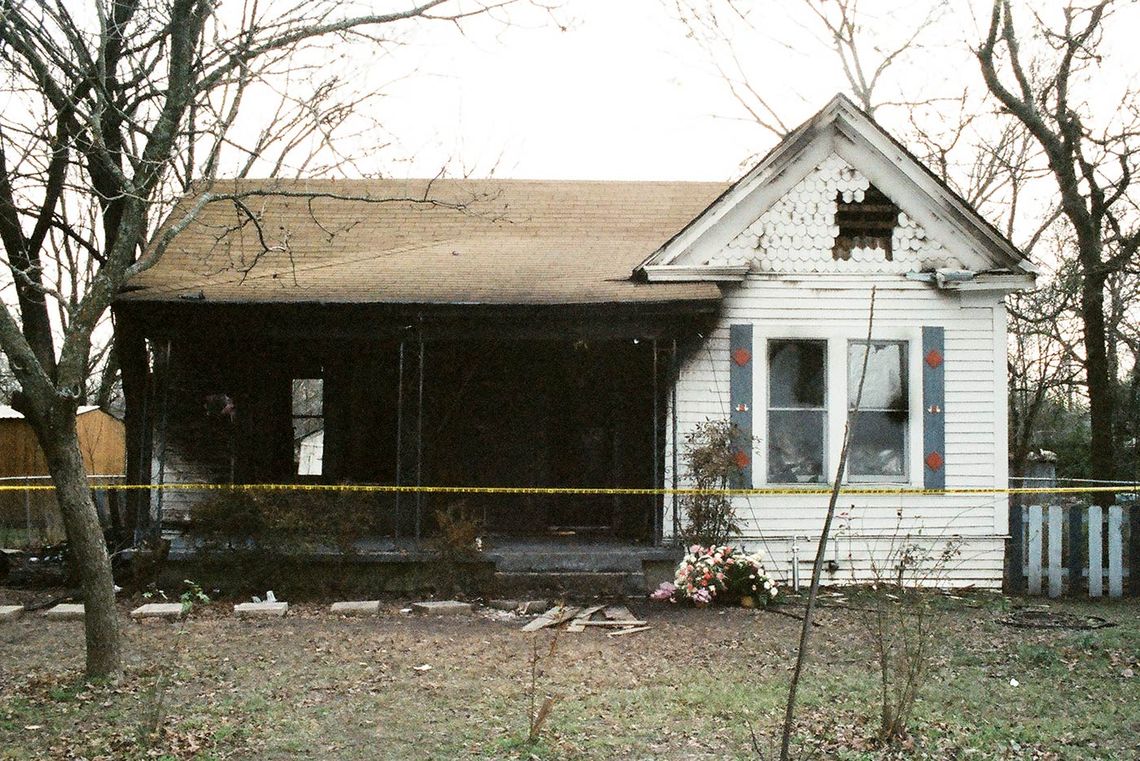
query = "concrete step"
{"x": 567, "y": 561}
{"x": 575, "y": 584}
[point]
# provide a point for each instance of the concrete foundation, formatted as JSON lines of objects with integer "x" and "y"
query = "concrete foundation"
{"x": 441, "y": 607}
{"x": 261, "y": 609}
{"x": 170, "y": 611}
{"x": 359, "y": 608}
{"x": 10, "y": 612}
{"x": 65, "y": 612}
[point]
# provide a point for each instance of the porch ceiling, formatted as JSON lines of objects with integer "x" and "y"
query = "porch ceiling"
{"x": 494, "y": 242}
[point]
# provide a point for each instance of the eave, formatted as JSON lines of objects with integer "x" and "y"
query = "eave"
{"x": 964, "y": 280}
{"x": 671, "y": 273}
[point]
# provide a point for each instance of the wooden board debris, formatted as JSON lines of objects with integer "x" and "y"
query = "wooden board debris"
{"x": 616, "y": 624}
{"x": 552, "y": 617}
{"x": 634, "y": 630}
{"x": 580, "y": 620}
{"x": 577, "y": 619}
{"x": 618, "y": 613}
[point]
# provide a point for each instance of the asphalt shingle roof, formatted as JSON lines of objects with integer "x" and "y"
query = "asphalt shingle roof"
{"x": 461, "y": 241}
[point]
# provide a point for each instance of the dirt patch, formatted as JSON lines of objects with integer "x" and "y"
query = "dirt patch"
{"x": 695, "y": 685}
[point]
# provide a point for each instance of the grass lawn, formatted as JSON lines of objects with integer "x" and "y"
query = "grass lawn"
{"x": 318, "y": 686}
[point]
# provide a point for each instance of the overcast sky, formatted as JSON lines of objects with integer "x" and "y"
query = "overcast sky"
{"x": 620, "y": 93}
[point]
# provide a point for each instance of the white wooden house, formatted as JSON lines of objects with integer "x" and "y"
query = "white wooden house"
{"x": 837, "y": 209}
{"x": 512, "y": 333}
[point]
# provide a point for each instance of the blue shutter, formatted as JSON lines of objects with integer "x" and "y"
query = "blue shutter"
{"x": 740, "y": 398}
{"x": 933, "y": 408}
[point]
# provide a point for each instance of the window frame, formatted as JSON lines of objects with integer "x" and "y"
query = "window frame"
{"x": 294, "y": 417}
{"x": 836, "y": 338}
{"x": 825, "y": 448}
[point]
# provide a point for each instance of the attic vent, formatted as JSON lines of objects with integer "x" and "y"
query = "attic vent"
{"x": 866, "y": 223}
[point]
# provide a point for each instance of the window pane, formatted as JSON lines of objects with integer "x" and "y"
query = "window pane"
{"x": 308, "y": 396}
{"x": 795, "y": 446}
{"x": 795, "y": 374}
{"x": 310, "y": 451}
{"x": 308, "y": 426}
{"x": 885, "y": 385}
{"x": 878, "y": 446}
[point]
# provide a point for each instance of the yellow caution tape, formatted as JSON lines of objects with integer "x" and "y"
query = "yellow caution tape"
{"x": 571, "y": 490}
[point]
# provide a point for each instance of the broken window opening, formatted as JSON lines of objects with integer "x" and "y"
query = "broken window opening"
{"x": 867, "y": 223}
{"x": 308, "y": 426}
{"x": 879, "y": 438}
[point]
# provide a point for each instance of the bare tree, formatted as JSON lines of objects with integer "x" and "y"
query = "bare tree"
{"x": 1092, "y": 162}
{"x": 7, "y": 382}
{"x": 868, "y": 50}
{"x": 113, "y": 108}
{"x": 1044, "y": 360}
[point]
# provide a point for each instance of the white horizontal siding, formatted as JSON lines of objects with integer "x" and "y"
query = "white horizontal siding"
{"x": 831, "y": 306}
{"x": 861, "y": 560}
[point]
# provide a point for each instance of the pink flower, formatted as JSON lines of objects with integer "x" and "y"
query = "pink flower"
{"x": 664, "y": 592}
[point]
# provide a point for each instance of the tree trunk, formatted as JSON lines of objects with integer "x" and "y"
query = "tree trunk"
{"x": 1102, "y": 465}
{"x": 60, "y": 443}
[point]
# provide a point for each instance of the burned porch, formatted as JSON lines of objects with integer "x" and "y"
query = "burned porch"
{"x": 471, "y": 398}
{"x": 440, "y": 334}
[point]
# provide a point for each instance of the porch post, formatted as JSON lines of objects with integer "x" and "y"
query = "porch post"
{"x": 420, "y": 441}
{"x": 673, "y": 378}
{"x": 657, "y": 502}
{"x": 399, "y": 436}
{"x": 131, "y": 347}
{"x": 164, "y": 374}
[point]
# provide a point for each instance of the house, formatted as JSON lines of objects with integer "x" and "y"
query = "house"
{"x": 534, "y": 334}
{"x": 101, "y": 442}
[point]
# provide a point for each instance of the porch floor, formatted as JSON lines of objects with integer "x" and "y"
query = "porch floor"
{"x": 509, "y": 554}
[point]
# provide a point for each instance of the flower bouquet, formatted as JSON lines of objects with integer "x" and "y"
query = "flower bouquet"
{"x": 719, "y": 573}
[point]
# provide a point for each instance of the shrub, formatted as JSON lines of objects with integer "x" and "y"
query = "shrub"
{"x": 906, "y": 625}
{"x": 456, "y": 543}
{"x": 459, "y": 532}
{"x": 284, "y": 521}
{"x": 905, "y": 619}
{"x": 710, "y": 456}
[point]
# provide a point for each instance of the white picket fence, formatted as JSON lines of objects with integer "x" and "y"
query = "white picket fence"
{"x": 1047, "y": 535}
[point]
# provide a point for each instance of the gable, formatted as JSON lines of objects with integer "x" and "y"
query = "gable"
{"x": 803, "y": 231}
{"x": 782, "y": 215}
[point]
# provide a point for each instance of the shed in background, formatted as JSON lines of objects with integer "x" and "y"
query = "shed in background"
{"x": 32, "y": 517}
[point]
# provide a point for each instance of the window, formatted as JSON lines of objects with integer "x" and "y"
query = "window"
{"x": 308, "y": 426}
{"x": 878, "y": 446}
{"x": 868, "y": 222}
{"x": 797, "y": 411}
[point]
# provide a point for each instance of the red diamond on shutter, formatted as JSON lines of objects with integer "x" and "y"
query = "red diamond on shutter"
{"x": 934, "y": 358}
{"x": 741, "y": 459}
{"x": 934, "y": 461}
{"x": 741, "y": 356}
